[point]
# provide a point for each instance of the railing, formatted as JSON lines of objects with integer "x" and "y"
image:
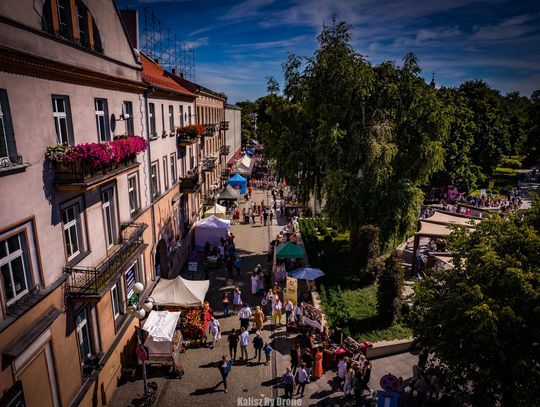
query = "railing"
{"x": 186, "y": 139}
{"x": 209, "y": 199}
{"x": 225, "y": 174}
{"x": 189, "y": 183}
{"x": 224, "y": 150}
{"x": 90, "y": 280}
{"x": 224, "y": 125}
{"x": 209, "y": 130}
{"x": 81, "y": 172}
{"x": 209, "y": 164}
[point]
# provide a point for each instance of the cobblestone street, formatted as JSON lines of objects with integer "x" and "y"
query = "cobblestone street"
{"x": 201, "y": 383}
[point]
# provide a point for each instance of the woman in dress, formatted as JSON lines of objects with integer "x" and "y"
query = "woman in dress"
{"x": 259, "y": 318}
{"x": 237, "y": 299}
{"x": 318, "y": 369}
{"x": 254, "y": 283}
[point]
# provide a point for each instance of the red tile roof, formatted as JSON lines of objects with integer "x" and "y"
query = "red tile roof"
{"x": 155, "y": 75}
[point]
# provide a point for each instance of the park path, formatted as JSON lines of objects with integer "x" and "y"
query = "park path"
{"x": 200, "y": 385}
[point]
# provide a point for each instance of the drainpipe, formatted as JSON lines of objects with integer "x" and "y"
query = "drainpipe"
{"x": 147, "y": 92}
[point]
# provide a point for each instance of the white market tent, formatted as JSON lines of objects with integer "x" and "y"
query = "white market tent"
{"x": 217, "y": 210}
{"x": 211, "y": 230}
{"x": 161, "y": 326}
{"x": 245, "y": 165}
{"x": 180, "y": 292}
{"x": 448, "y": 218}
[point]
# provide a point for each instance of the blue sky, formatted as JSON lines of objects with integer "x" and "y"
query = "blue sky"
{"x": 239, "y": 43}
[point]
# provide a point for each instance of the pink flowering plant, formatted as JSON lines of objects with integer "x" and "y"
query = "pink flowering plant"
{"x": 99, "y": 155}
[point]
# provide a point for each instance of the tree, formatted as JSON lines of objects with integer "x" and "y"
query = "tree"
{"x": 481, "y": 320}
{"x": 249, "y": 121}
{"x": 390, "y": 287}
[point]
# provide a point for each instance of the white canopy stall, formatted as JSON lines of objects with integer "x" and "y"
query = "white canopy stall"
{"x": 180, "y": 292}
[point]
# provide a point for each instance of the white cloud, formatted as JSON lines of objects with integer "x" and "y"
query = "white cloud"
{"x": 245, "y": 9}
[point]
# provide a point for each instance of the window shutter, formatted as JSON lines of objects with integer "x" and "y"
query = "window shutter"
{"x": 10, "y": 134}
{"x": 71, "y": 137}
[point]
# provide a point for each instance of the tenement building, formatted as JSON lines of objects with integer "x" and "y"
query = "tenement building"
{"x": 102, "y": 169}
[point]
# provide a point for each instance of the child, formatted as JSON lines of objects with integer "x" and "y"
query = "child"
{"x": 267, "y": 349}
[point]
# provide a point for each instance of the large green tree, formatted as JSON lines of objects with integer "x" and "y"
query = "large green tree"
{"x": 481, "y": 320}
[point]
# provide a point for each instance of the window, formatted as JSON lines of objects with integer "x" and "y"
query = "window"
{"x": 62, "y": 119}
{"x": 102, "y": 119}
{"x": 116, "y": 302}
{"x": 133, "y": 192}
{"x": 154, "y": 180}
{"x": 72, "y": 231}
{"x": 64, "y": 15}
{"x": 165, "y": 173}
{"x": 189, "y": 114}
{"x": 171, "y": 118}
{"x": 174, "y": 176}
{"x": 131, "y": 277}
{"x": 127, "y": 111}
{"x": 162, "y": 119}
{"x": 82, "y": 24}
{"x": 108, "y": 207}
{"x": 15, "y": 266}
{"x": 152, "y": 118}
{"x": 181, "y": 116}
{"x": 199, "y": 119}
{"x": 7, "y": 136}
{"x": 85, "y": 340}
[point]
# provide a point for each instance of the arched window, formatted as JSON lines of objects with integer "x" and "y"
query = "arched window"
{"x": 74, "y": 24}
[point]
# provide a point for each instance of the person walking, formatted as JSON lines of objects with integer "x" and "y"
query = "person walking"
{"x": 253, "y": 217}
{"x": 267, "y": 349}
{"x": 342, "y": 368}
{"x": 276, "y": 312}
{"x": 245, "y": 315}
{"x": 289, "y": 307}
{"x": 295, "y": 358}
{"x": 233, "y": 343}
{"x": 237, "y": 264}
{"x": 303, "y": 379}
{"x": 254, "y": 283}
{"x": 258, "y": 317}
{"x": 349, "y": 375}
{"x": 318, "y": 368}
{"x": 288, "y": 383}
{"x": 358, "y": 387}
{"x": 225, "y": 302}
{"x": 307, "y": 358}
{"x": 258, "y": 344}
{"x": 244, "y": 341}
{"x": 215, "y": 329}
{"x": 237, "y": 299}
{"x": 225, "y": 368}
{"x": 272, "y": 214}
{"x": 265, "y": 216}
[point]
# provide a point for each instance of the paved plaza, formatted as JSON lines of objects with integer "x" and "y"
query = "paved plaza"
{"x": 200, "y": 385}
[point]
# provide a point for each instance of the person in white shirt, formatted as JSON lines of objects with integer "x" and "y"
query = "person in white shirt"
{"x": 289, "y": 307}
{"x": 245, "y": 315}
{"x": 276, "y": 311}
{"x": 303, "y": 378}
{"x": 244, "y": 342}
{"x": 215, "y": 329}
{"x": 297, "y": 313}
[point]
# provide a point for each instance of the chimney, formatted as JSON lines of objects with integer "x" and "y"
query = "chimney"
{"x": 182, "y": 75}
{"x": 131, "y": 22}
{"x": 174, "y": 71}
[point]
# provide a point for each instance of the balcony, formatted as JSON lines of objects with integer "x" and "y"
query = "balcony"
{"x": 209, "y": 164}
{"x": 190, "y": 183}
{"x": 209, "y": 199}
{"x": 91, "y": 281}
{"x": 224, "y": 150}
{"x": 224, "y": 125}
{"x": 209, "y": 130}
{"x": 185, "y": 140}
{"x": 225, "y": 174}
{"x": 188, "y": 135}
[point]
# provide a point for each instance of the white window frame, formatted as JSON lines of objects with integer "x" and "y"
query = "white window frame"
{"x": 171, "y": 118}
{"x": 3, "y": 132}
{"x": 59, "y": 116}
{"x": 109, "y": 207}
{"x": 189, "y": 114}
{"x": 73, "y": 226}
{"x": 133, "y": 189}
{"x": 84, "y": 335}
{"x": 181, "y": 116}
{"x": 154, "y": 179}
{"x": 137, "y": 274}
{"x": 8, "y": 259}
{"x": 116, "y": 295}
{"x": 165, "y": 173}
{"x": 129, "y": 121}
{"x": 152, "y": 119}
{"x": 101, "y": 119}
{"x": 174, "y": 169}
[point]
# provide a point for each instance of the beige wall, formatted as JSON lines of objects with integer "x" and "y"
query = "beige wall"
{"x": 234, "y": 134}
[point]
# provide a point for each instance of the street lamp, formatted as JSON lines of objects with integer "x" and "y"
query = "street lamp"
{"x": 139, "y": 311}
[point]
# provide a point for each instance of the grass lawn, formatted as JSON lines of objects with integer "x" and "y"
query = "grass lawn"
{"x": 345, "y": 301}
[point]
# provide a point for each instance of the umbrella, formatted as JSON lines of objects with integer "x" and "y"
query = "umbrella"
{"x": 306, "y": 273}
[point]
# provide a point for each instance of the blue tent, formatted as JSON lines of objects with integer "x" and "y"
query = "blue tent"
{"x": 249, "y": 152}
{"x": 238, "y": 181}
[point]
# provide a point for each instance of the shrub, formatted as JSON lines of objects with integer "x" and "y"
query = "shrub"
{"x": 390, "y": 287}
{"x": 510, "y": 163}
{"x": 505, "y": 171}
{"x": 365, "y": 245}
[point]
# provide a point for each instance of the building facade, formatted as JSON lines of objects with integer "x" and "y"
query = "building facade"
{"x": 233, "y": 136}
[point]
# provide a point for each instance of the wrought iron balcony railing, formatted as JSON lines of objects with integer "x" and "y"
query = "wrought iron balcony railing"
{"x": 224, "y": 125}
{"x": 209, "y": 164}
{"x": 190, "y": 183}
{"x": 186, "y": 139}
{"x": 225, "y": 174}
{"x": 80, "y": 174}
{"x": 209, "y": 199}
{"x": 91, "y": 280}
{"x": 209, "y": 130}
{"x": 224, "y": 150}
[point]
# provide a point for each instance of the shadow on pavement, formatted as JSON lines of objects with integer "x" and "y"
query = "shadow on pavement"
{"x": 207, "y": 390}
